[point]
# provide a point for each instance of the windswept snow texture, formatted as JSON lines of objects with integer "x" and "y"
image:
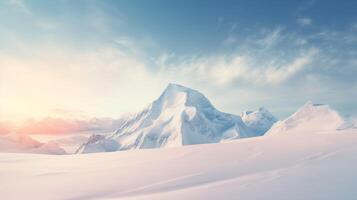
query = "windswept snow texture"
{"x": 181, "y": 116}
{"x": 288, "y": 166}
{"x": 310, "y": 118}
{"x": 259, "y": 121}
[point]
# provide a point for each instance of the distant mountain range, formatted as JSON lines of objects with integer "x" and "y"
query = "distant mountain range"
{"x": 17, "y": 143}
{"x": 183, "y": 116}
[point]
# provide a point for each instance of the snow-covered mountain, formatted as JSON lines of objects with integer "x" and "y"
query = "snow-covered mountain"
{"x": 180, "y": 116}
{"x": 309, "y": 118}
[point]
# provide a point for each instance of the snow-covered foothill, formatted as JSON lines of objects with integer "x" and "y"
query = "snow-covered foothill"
{"x": 310, "y": 118}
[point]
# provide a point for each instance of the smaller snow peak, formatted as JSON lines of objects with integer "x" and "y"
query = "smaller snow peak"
{"x": 309, "y": 107}
{"x": 261, "y": 112}
{"x": 260, "y": 121}
{"x": 310, "y": 118}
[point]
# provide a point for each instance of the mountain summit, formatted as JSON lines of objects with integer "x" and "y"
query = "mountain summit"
{"x": 180, "y": 116}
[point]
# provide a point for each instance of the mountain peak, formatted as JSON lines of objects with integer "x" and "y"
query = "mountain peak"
{"x": 174, "y": 88}
{"x": 179, "y": 95}
{"x": 175, "y": 85}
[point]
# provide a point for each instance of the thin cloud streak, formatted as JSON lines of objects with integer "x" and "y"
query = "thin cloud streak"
{"x": 304, "y": 21}
{"x": 223, "y": 70}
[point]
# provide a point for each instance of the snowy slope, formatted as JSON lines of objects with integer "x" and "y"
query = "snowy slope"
{"x": 98, "y": 143}
{"x": 259, "y": 121}
{"x": 288, "y": 166}
{"x": 180, "y": 116}
{"x": 309, "y": 118}
{"x": 25, "y": 144}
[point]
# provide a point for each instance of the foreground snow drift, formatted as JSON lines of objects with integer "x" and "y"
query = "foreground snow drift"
{"x": 284, "y": 166}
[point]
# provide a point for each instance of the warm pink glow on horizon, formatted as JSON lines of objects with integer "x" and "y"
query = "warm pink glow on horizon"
{"x": 54, "y": 126}
{"x": 4, "y": 128}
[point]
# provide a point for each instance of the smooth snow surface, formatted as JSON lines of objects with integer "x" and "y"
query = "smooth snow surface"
{"x": 288, "y": 166}
{"x": 180, "y": 116}
{"x": 309, "y": 118}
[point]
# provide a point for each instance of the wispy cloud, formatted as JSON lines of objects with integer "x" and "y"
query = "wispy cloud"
{"x": 304, "y": 21}
{"x": 271, "y": 37}
{"x": 305, "y": 5}
{"x": 230, "y": 40}
{"x": 20, "y": 5}
{"x": 223, "y": 70}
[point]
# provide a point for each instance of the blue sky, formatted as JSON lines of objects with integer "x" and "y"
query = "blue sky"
{"x": 105, "y": 58}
